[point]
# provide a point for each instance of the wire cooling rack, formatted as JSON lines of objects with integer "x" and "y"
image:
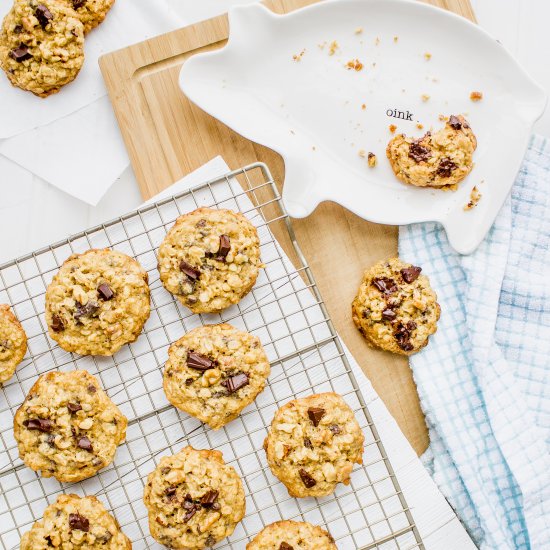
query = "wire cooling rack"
{"x": 284, "y": 310}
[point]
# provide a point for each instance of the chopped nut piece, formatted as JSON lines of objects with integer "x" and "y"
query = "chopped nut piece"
{"x": 476, "y": 96}
{"x": 392, "y": 128}
{"x": 372, "y": 160}
{"x": 354, "y": 64}
{"x": 475, "y": 197}
{"x": 298, "y": 56}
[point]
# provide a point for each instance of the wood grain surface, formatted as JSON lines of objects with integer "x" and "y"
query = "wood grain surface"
{"x": 167, "y": 137}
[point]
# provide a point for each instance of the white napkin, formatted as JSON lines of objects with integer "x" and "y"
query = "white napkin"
{"x": 81, "y": 154}
{"x": 71, "y": 139}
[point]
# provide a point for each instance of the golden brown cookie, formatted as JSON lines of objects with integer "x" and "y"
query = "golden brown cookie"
{"x": 215, "y": 371}
{"x": 41, "y": 45}
{"x": 442, "y": 158}
{"x": 13, "y": 343}
{"x": 210, "y": 259}
{"x": 194, "y": 499}
{"x": 395, "y": 308}
{"x": 67, "y": 427}
{"x": 292, "y": 535}
{"x": 97, "y": 302}
{"x": 91, "y": 12}
{"x": 313, "y": 444}
{"x": 76, "y": 523}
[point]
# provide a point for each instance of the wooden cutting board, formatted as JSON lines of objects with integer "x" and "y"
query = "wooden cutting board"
{"x": 167, "y": 137}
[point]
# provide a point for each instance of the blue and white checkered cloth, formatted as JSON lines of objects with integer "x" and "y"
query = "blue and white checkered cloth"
{"x": 484, "y": 379}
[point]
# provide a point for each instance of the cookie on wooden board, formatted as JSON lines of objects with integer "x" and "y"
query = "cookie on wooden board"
{"x": 395, "y": 308}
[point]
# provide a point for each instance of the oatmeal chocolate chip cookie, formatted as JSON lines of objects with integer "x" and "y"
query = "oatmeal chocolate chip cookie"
{"x": 443, "y": 158}
{"x": 395, "y": 308}
{"x": 41, "y": 45}
{"x": 292, "y": 535}
{"x": 97, "y": 302}
{"x": 91, "y": 12}
{"x": 13, "y": 343}
{"x": 313, "y": 444}
{"x": 76, "y": 523}
{"x": 194, "y": 499}
{"x": 215, "y": 371}
{"x": 67, "y": 427}
{"x": 210, "y": 259}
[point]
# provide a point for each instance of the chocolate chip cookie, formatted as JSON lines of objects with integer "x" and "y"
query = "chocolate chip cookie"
{"x": 292, "y": 535}
{"x": 210, "y": 259}
{"x": 76, "y": 523}
{"x": 215, "y": 371}
{"x": 395, "y": 308}
{"x": 67, "y": 427}
{"x": 91, "y": 12}
{"x": 194, "y": 499}
{"x": 13, "y": 343}
{"x": 439, "y": 159}
{"x": 97, "y": 302}
{"x": 313, "y": 444}
{"x": 41, "y": 45}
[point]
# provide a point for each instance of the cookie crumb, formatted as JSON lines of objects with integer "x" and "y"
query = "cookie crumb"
{"x": 322, "y": 45}
{"x": 392, "y": 128}
{"x": 419, "y": 125}
{"x": 298, "y": 56}
{"x": 354, "y": 64}
{"x": 443, "y": 118}
{"x": 363, "y": 106}
{"x": 362, "y": 153}
{"x": 476, "y": 96}
{"x": 358, "y": 30}
{"x": 372, "y": 160}
{"x": 333, "y": 46}
{"x": 377, "y": 41}
{"x": 425, "y": 97}
{"x": 475, "y": 197}
{"x": 395, "y": 39}
{"x": 427, "y": 56}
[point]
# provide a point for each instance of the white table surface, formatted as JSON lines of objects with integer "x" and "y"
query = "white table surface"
{"x": 33, "y": 213}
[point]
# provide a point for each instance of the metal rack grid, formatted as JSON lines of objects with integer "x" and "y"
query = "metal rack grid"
{"x": 284, "y": 310}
